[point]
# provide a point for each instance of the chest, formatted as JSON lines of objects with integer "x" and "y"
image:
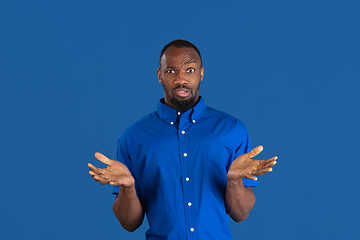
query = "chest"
{"x": 167, "y": 155}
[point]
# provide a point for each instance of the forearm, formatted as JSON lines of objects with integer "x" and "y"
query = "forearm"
{"x": 239, "y": 200}
{"x": 128, "y": 209}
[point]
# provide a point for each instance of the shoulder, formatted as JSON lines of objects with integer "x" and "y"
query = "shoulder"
{"x": 140, "y": 124}
{"x": 148, "y": 119}
{"x": 222, "y": 117}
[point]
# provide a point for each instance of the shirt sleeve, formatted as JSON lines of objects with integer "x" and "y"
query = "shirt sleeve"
{"x": 123, "y": 157}
{"x": 245, "y": 147}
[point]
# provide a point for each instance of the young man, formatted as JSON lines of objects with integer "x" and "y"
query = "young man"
{"x": 187, "y": 166}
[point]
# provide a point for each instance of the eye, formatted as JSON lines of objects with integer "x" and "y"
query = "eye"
{"x": 170, "y": 71}
{"x": 191, "y": 70}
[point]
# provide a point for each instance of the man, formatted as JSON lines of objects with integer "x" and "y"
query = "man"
{"x": 187, "y": 166}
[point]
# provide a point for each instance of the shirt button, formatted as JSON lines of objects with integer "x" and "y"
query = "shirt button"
{"x": 187, "y": 179}
{"x": 183, "y": 132}
{"x": 193, "y": 121}
{"x": 171, "y": 123}
{"x": 189, "y": 204}
{"x": 192, "y": 229}
{"x": 185, "y": 154}
{"x": 178, "y": 113}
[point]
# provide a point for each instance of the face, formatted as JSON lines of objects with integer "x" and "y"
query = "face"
{"x": 180, "y": 74}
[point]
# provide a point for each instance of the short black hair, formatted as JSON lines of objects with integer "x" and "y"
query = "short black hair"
{"x": 179, "y": 43}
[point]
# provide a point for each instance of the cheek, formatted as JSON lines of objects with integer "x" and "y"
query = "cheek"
{"x": 195, "y": 80}
{"x": 167, "y": 88}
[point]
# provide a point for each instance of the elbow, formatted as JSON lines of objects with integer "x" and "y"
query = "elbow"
{"x": 240, "y": 218}
{"x": 129, "y": 228}
{"x": 127, "y": 222}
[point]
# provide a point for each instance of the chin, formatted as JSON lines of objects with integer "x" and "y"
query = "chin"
{"x": 183, "y": 104}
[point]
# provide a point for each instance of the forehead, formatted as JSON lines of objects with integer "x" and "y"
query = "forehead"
{"x": 175, "y": 56}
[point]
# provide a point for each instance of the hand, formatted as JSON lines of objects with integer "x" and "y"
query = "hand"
{"x": 116, "y": 173}
{"x": 245, "y": 167}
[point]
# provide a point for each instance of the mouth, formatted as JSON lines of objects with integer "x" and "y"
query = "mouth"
{"x": 182, "y": 92}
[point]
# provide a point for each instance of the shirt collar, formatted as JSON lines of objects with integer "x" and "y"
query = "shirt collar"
{"x": 170, "y": 115}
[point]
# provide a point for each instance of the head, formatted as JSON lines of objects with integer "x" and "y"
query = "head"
{"x": 180, "y": 73}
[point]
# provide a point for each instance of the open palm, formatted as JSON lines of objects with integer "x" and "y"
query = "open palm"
{"x": 116, "y": 173}
{"x": 245, "y": 167}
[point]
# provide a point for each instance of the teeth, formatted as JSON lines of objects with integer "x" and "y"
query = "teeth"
{"x": 182, "y": 91}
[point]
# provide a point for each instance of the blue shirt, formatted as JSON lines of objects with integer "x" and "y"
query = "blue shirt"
{"x": 180, "y": 162}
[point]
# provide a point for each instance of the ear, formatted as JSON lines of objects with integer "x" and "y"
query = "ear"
{"x": 158, "y": 72}
{"x": 201, "y": 73}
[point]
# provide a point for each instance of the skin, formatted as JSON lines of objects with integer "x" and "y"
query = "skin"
{"x": 240, "y": 200}
{"x": 127, "y": 207}
{"x": 181, "y": 70}
{"x": 180, "y": 74}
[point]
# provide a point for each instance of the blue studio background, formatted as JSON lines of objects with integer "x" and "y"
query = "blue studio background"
{"x": 75, "y": 74}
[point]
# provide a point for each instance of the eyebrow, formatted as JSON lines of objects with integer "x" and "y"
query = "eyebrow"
{"x": 193, "y": 61}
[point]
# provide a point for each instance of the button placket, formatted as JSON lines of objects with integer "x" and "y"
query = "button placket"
{"x": 184, "y": 127}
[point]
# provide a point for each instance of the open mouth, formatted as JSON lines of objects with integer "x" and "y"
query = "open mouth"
{"x": 182, "y": 92}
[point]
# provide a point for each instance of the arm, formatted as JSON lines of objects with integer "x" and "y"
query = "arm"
{"x": 127, "y": 209}
{"x": 239, "y": 199}
{"x": 127, "y": 206}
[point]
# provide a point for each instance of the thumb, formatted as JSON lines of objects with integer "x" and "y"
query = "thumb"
{"x": 256, "y": 151}
{"x": 102, "y": 158}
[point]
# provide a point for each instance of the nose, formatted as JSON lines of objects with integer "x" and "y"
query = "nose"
{"x": 180, "y": 78}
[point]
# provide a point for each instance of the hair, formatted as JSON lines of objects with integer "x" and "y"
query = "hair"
{"x": 179, "y": 43}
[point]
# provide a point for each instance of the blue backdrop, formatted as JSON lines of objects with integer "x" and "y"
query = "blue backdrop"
{"x": 75, "y": 74}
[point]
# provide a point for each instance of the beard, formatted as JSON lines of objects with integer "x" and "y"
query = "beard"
{"x": 185, "y": 104}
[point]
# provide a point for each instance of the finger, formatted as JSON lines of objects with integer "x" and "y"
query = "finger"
{"x": 102, "y": 181}
{"x": 103, "y": 175}
{"x": 93, "y": 174}
{"x": 102, "y": 158}
{"x": 262, "y": 171}
{"x": 266, "y": 162}
{"x": 91, "y": 166}
{"x": 255, "y": 151}
{"x": 99, "y": 179}
{"x": 251, "y": 177}
{"x": 272, "y": 159}
{"x": 115, "y": 183}
{"x": 94, "y": 169}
